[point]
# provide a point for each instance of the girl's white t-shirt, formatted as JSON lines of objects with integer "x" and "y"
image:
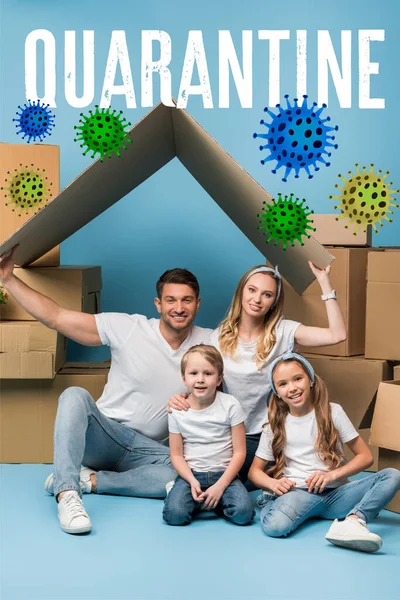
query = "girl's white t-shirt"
{"x": 248, "y": 383}
{"x": 206, "y": 433}
{"x": 301, "y": 459}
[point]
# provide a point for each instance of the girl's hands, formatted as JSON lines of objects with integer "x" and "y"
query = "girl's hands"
{"x": 178, "y": 402}
{"x": 196, "y": 491}
{"x": 212, "y": 496}
{"x": 282, "y": 486}
{"x": 322, "y": 275}
{"x": 318, "y": 481}
{"x": 7, "y": 262}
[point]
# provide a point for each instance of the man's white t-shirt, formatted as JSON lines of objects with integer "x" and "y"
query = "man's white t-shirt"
{"x": 248, "y": 383}
{"x": 206, "y": 433}
{"x": 301, "y": 459}
{"x": 145, "y": 371}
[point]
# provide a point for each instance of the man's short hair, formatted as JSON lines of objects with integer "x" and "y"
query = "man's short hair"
{"x": 182, "y": 276}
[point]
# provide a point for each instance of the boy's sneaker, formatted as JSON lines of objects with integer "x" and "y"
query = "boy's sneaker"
{"x": 72, "y": 515}
{"x": 84, "y": 481}
{"x": 354, "y": 534}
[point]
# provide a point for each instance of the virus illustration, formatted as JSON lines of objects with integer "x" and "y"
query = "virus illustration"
{"x": 34, "y": 121}
{"x": 286, "y": 220}
{"x": 103, "y": 132}
{"x": 365, "y": 198}
{"x": 297, "y": 137}
{"x": 28, "y": 189}
{"x": 3, "y": 295}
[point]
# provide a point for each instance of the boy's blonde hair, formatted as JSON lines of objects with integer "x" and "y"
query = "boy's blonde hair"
{"x": 210, "y": 353}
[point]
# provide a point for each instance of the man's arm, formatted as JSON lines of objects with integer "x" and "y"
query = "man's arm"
{"x": 77, "y": 326}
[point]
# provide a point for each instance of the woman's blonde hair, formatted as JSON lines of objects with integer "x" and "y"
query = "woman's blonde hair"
{"x": 229, "y": 328}
{"x": 210, "y": 353}
{"x": 327, "y": 445}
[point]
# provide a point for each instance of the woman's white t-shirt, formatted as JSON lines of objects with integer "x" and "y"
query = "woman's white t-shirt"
{"x": 301, "y": 459}
{"x": 248, "y": 383}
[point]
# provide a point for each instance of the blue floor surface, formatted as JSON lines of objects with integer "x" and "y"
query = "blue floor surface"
{"x": 132, "y": 555}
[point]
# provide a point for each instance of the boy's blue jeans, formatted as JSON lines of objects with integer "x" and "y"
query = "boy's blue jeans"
{"x": 280, "y": 515}
{"x": 128, "y": 463}
{"x": 235, "y": 504}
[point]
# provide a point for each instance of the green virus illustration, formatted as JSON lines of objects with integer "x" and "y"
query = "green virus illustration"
{"x": 365, "y": 198}
{"x": 3, "y": 295}
{"x": 103, "y": 132}
{"x": 28, "y": 188}
{"x": 286, "y": 220}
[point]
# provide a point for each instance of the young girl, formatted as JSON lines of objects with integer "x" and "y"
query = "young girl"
{"x": 207, "y": 446}
{"x": 254, "y": 333}
{"x": 304, "y": 436}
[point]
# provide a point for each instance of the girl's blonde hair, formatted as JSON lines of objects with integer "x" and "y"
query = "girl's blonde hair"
{"x": 327, "y": 445}
{"x": 229, "y": 328}
{"x": 209, "y": 353}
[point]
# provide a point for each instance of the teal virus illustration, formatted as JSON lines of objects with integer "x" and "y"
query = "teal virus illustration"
{"x": 3, "y": 295}
{"x": 28, "y": 189}
{"x": 286, "y": 220}
{"x": 365, "y": 198}
{"x": 297, "y": 137}
{"x": 35, "y": 121}
{"x": 103, "y": 132}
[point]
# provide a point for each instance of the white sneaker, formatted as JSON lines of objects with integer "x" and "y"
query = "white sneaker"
{"x": 354, "y": 534}
{"x": 169, "y": 486}
{"x": 72, "y": 515}
{"x": 84, "y": 481}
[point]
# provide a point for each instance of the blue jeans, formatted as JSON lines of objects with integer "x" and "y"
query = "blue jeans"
{"x": 280, "y": 515}
{"x": 235, "y": 504}
{"x": 128, "y": 463}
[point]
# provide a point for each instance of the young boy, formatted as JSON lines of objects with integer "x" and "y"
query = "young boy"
{"x": 207, "y": 446}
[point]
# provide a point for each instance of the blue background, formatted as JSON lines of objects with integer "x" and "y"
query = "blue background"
{"x": 170, "y": 221}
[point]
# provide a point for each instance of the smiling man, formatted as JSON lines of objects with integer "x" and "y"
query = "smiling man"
{"x": 121, "y": 438}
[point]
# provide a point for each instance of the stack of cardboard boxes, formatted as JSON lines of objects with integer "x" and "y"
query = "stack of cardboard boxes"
{"x": 32, "y": 356}
{"x": 367, "y": 281}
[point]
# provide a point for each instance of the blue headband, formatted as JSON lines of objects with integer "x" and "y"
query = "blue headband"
{"x": 287, "y": 356}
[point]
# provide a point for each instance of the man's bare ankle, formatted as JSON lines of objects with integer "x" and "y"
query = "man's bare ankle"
{"x": 93, "y": 482}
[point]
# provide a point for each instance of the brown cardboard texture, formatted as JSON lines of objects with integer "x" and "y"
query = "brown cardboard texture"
{"x": 165, "y": 133}
{"x": 29, "y": 350}
{"x": 14, "y": 158}
{"x": 382, "y": 337}
{"x": 69, "y": 286}
{"x": 352, "y": 382}
{"x": 331, "y": 232}
{"x": 396, "y": 372}
{"x": 28, "y": 409}
{"x": 385, "y": 430}
{"x": 348, "y": 277}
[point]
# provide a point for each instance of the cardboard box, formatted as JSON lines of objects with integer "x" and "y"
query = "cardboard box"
{"x": 348, "y": 277}
{"x": 382, "y": 338}
{"x": 29, "y": 350}
{"x": 28, "y": 409}
{"x": 385, "y": 430}
{"x": 164, "y": 133}
{"x": 352, "y": 382}
{"x": 396, "y": 372}
{"x": 69, "y": 286}
{"x": 331, "y": 232}
{"x": 14, "y": 158}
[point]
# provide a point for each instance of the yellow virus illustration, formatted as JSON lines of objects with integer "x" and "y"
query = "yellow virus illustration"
{"x": 28, "y": 188}
{"x": 365, "y": 198}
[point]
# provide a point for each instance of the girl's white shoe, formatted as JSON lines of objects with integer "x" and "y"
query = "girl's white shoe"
{"x": 354, "y": 534}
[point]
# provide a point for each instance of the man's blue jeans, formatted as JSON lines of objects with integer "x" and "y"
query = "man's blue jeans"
{"x": 128, "y": 463}
{"x": 280, "y": 515}
{"x": 235, "y": 504}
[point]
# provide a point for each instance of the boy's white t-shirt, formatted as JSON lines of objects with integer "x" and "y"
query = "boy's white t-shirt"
{"x": 145, "y": 371}
{"x": 249, "y": 384}
{"x": 301, "y": 459}
{"x": 206, "y": 433}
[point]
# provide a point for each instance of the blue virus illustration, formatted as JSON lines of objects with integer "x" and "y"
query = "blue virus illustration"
{"x": 297, "y": 137}
{"x": 365, "y": 198}
{"x": 28, "y": 188}
{"x": 286, "y": 220}
{"x": 103, "y": 132}
{"x": 34, "y": 121}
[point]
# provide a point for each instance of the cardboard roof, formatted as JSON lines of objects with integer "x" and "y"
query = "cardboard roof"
{"x": 161, "y": 135}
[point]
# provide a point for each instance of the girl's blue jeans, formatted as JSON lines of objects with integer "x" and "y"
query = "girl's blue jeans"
{"x": 280, "y": 515}
{"x": 128, "y": 463}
